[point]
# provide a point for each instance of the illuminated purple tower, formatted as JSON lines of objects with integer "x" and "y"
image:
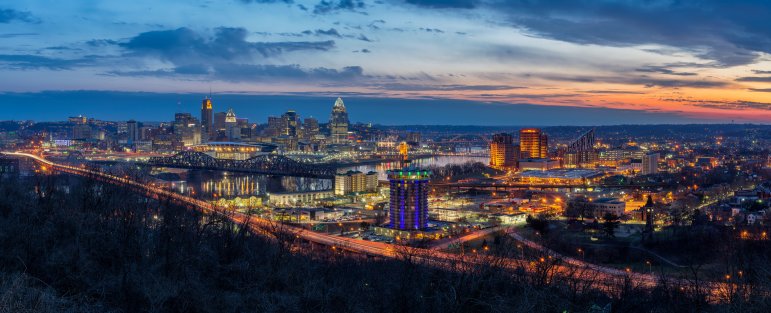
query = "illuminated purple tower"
{"x": 409, "y": 198}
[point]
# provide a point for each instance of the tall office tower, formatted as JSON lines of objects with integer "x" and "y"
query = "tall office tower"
{"x": 338, "y": 122}
{"x": 409, "y": 198}
{"x": 292, "y": 124}
{"x": 232, "y": 131}
{"x": 502, "y": 151}
{"x": 533, "y": 143}
{"x": 650, "y": 164}
{"x": 219, "y": 123}
{"x": 276, "y": 126}
{"x": 187, "y": 129}
{"x": 311, "y": 127}
{"x": 206, "y": 119}
{"x": 132, "y": 129}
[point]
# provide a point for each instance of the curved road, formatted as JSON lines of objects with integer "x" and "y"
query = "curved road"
{"x": 602, "y": 276}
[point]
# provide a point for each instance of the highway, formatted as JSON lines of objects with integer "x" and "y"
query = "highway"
{"x": 604, "y": 278}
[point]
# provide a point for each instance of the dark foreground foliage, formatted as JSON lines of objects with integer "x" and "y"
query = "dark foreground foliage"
{"x": 74, "y": 245}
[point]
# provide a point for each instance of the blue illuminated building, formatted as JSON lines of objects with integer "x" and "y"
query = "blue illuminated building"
{"x": 409, "y": 198}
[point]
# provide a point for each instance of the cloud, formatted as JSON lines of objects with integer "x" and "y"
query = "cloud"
{"x": 332, "y": 6}
{"x": 762, "y": 79}
{"x": 10, "y": 15}
{"x": 633, "y": 80}
{"x": 267, "y": 1}
{"x": 725, "y": 31}
{"x": 602, "y": 92}
{"x": 432, "y": 30}
{"x": 761, "y": 72}
{"x": 14, "y": 35}
{"x": 663, "y": 70}
{"x": 440, "y": 4}
{"x": 33, "y": 62}
{"x": 251, "y": 73}
{"x": 760, "y": 89}
{"x": 735, "y": 105}
{"x": 184, "y": 46}
{"x": 329, "y": 32}
{"x": 415, "y": 87}
{"x": 101, "y": 42}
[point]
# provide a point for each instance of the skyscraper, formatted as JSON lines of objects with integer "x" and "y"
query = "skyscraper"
{"x": 409, "y": 198}
{"x": 206, "y": 119}
{"x": 502, "y": 151}
{"x": 232, "y": 131}
{"x": 292, "y": 124}
{"x": 132, "y": 129}
{"x": 338, "y": 122}
{"x": 187, "y": 129}
{"x": 533, "y": 143}
{"x": 310, "y": 127}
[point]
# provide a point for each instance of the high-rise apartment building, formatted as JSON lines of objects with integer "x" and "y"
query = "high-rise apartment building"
{"x": 502, "y": 154}
{"x": 533, "y": 143}
{"x": 408, "y": 208}
{"x": 650, "y": 164}
{"x": 355, "y": 181}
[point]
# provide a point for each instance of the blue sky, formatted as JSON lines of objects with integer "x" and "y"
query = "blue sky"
{"x": 488, "y": 62}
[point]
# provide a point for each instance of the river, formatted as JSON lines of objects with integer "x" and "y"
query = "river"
{"x": 228, "y": 185}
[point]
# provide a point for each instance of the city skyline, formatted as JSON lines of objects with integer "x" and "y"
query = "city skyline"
{"x": 385, "y": 156}
{"x": 672, "y": 62}
{"x": 157, "y": 107}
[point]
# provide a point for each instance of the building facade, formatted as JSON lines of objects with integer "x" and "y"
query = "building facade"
{"x": 355, "y": 181}
{"x": 603, "y": 206}
{"x": 533, "y": 143}
{"x": 132, "y": 130}
{"x": 232, "y": 130}
{"x": 502, "y": 154}
{"x": 286, "y": 199}
{"x": 207, "y": 121}
{"x": 408, "y": 208}
{"x": 338, "y": 123}
{"x": 650, "y": 164}
{"x": 187, "y": 129}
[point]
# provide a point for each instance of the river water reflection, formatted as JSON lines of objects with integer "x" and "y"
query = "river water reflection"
{"x": 209, "y": 185}
{"x": 437, "y": 161}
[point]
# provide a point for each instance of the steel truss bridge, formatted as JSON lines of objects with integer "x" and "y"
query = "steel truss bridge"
{"x": 268, "y": 164}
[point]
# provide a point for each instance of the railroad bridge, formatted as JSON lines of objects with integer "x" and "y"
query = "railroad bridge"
{"x": 268, "y": 164}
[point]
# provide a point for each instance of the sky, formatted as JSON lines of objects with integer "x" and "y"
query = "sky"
{"x": 466, "y": 62}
